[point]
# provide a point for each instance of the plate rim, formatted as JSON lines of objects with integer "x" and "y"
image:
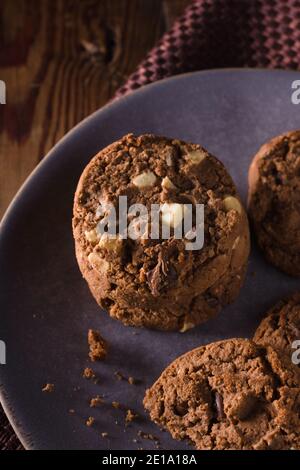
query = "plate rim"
{"x": 4, "y": 400}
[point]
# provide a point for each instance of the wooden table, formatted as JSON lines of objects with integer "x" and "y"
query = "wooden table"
{"x": 61, "y": 60}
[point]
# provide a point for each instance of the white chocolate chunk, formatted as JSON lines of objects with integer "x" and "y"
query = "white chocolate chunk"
{"x": 167, "y": 183}
{"x": 169, "y": 160}
{"x": 98, "y": 263}
{"x": 138, "y": 228}
{"x": 188, "y": 325}
{"x": 110, "y": 243}
{"x": 91, "y": 236}
{"x": 144, "y": 180}
{"x": 104, "y": 207}
{"x": 232, "y": 203}
{"x": 196, "y": 156}
{"x": 172, "y": 214}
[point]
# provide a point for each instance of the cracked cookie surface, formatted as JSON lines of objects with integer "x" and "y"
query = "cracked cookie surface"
{"x": 158, "y": 283}
{"x": 281, "y": 326}
{"x": 274, "y": 201}
{"x": 232, "y": 394}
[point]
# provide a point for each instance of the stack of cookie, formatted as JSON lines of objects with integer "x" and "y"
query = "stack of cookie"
{"x": 232, "y": 394}
{"x": 157, "y": 282}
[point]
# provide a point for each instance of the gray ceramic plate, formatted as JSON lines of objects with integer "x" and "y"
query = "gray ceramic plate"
{"x": 46, "y": 308}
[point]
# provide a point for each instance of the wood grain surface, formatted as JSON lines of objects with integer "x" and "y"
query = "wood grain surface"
{"x": 61, "y": 60}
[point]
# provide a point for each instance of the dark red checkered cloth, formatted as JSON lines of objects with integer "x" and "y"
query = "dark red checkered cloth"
{"x": 214, "y": 34}
{"x": 225, "y": 33}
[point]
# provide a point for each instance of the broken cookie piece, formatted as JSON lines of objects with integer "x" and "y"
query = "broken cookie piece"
{"x": 229, "y": 395}
{"x": 280, "y": 328}
{"x": 98, "y": 346}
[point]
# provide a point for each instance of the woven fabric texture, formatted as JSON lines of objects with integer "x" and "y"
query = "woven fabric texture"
{"x": 214, "y": 34}
{"x": 225, "y": 33}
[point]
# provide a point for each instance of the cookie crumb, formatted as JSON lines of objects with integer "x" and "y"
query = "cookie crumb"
{"x": 98, "y": 346}
{"x": 90, "y": 421}
{"x": 119, "y": 375}
{"x": 49, "y": 388}
{"x": 150, "y": 437}
{"x": 130, "y": 416}
{"x": 116, "y": 405}
{"x": 132, "y": 381}
{"x": 96, "y": 401}
{"x": 88, "y": 373}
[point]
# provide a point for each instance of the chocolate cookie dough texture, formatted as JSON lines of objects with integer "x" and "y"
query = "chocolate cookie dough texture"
{"x": 158, "y": 283}
{"x": 274, "y": 201}
{"x": 231, "y": 394}
{"x": 281, "y": 327}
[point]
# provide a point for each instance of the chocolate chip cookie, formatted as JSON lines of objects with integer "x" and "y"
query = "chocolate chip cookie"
{"x": 281, "y": 327}
{"x": 274, "y": 201}
{"x": 159, "y": 283}
{"x": 232, "y": 394}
